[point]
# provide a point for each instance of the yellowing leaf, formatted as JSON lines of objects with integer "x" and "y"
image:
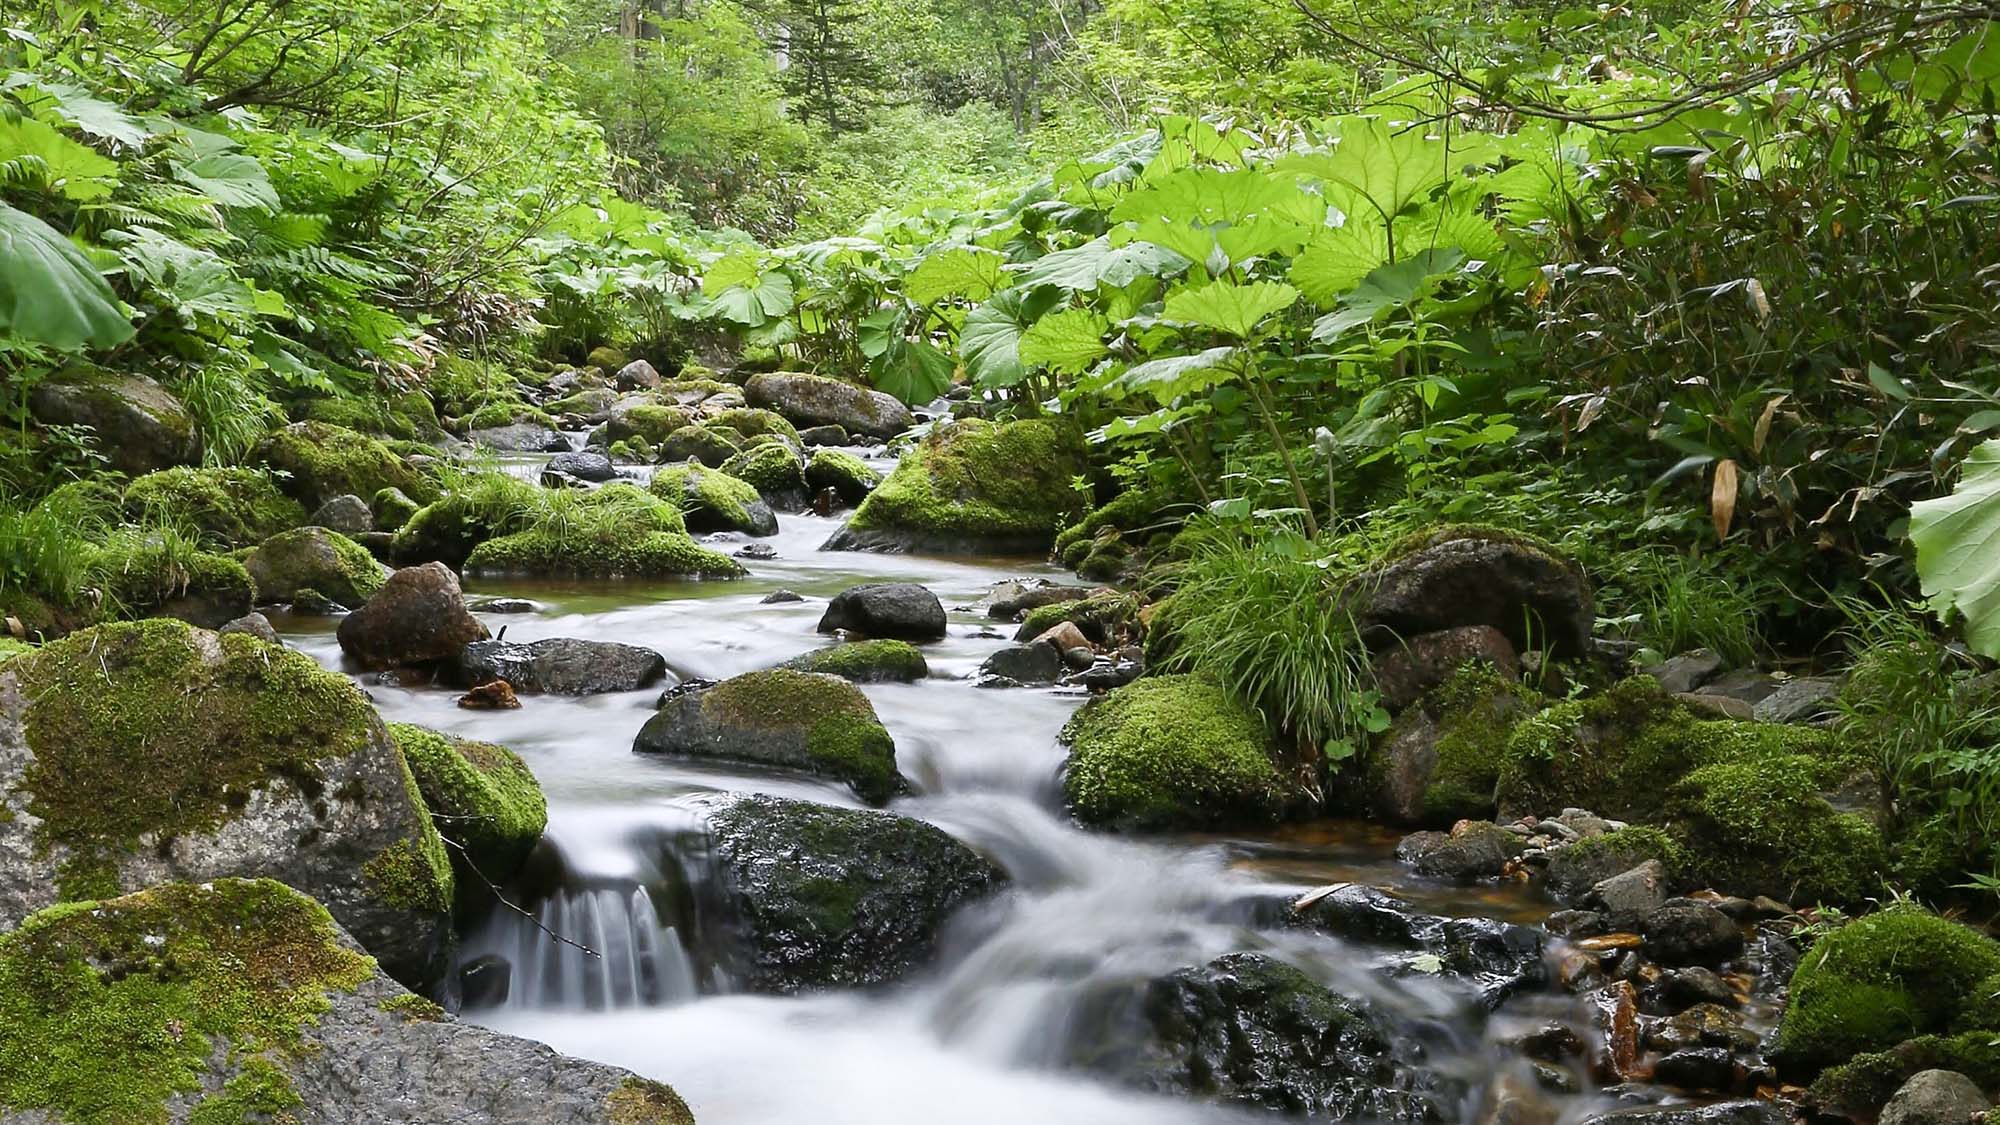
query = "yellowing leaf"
{"x": 1722, "y": 497}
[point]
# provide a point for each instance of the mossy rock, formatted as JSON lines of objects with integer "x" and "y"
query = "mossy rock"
{"x": 313, "y": 558}
{"x": 501, "y": 415}
{"x": 1104, "y": 618}
{"x": 151, "y": 751}
{"x": 607, "y": 358}
{"x": 646, "y": 419}
{"x": 484, "y": 798}
{"x": 10, "y": 648}
{"x": 228, "y": 507}
{"x": 866, "y": 662}
{"x": 1128, "y": 510}
{"x": 709, "y": 445}
{"x": 1577, "y": 867}
{"x": 752, "y": 423}
{"x": 238, "y": 1001}
{"x": 975, "y": 487}
{"x": 712, "y": 500}
{"x": 784, "y": 719}
{"x": 401, "y": 417}
{"x": 848, "y": 476}
{"x": 1171, "y": 752}
{"x": 619, "y": 531}
{"x": 592, "y": 403}
{"x": 321, "y": 461}
{"x": 140, "y": 425}
{"x": 447, "y": 530}
{"x": 146, "y": 575}
{"x": 1760, "y": 826}
{"x": 1440, "y": 761}
{"x": 774, "y": 469}
{"x": 393, "y": 509}
{"x": 1619, "y": 753}
{"x": 1858, "y": 1088}
{"x": 1894, "y": 975}
{"x": 1109, "y": 558}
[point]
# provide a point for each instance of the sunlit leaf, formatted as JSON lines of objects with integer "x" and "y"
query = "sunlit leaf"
{"x": 1228, "y": 307}
{"x": 991, "y": 338}
{"x": 1067, "y": 342}
{"x": 75, "y": 170}
{"x": 962, "y": 271}
{"x": 1169, "y": 377}
{"x": 231, "y": 179}
{"x": 1954, "y": 536}
{"x": 1338, "y": 259}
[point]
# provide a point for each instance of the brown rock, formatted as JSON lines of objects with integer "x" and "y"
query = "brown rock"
{"x": 1413, "y": 667}
{"x": 417, "y": 617}
{"x": 1614, "y": 1017}
{"x": 1456, "y": 578}
{"x": 495, "y": 695}
{"x": 1064, "y": 637}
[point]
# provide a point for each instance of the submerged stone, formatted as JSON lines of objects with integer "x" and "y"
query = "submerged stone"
{"x": 559, "y": 666}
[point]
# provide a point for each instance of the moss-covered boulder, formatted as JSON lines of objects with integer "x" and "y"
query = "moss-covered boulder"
{"x": 1439, "y": 761}
{"x": 485, "y": 800}
{"x": 140, "y": 426}
{"x": 10, "y": 648}
{"x": 409, "y": 416}
{"x": 238, "y": 1001}
{"x": 709, "y": 445}
{"x": 1858, "y": 1088}
{"x": 712, "y": 500}
{"x": 149, "y": 752}
{"x": 774, "y": 470}
{"x": 644, "y": 416}
{"x": 145, "y": 574}
{"x": 1171, "y": 752}
{"x": 866, "y": 662}
{"x": 1127, "y": 511}
{"x": 393, "y": 509}
{"x": 313, "y": 558}
{"x": 1877, "y": 981}
{"x": 485, "y": 507}
{"x": 751, "y": 424}
{"x": 814, "y": 400}
{"x": 229, "y": 507}
{"x": 619, "y": 531}
{"x": 319, "y": 462}
{"x": 975, "y": 487}
{"x": 848, "y": 476}
{"x": 837, "y": 898}
{"x": 1759, "y": 826}
{"x": 780, "y": 719}
{"x": 1573, "y": 870}
{"x": 1104, "y": 618}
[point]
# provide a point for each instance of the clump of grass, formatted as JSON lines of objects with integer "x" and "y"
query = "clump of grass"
{"x": 45, "y": 547}
{"x": 1674, "y": 602}
{"x": 229, "y": 411}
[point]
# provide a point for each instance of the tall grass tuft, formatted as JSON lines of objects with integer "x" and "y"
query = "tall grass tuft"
{"x": 229, "y": 411}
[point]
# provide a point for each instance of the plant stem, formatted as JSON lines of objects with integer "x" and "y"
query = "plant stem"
{"x": 1262, "y": 392}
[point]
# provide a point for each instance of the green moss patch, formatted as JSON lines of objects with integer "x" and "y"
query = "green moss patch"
{"x": 1168, "y": 752}
{"x": 108, "y": 1009}
{"x": 1104, "y": 618}
{"x": 1760, "y": 826}
{"x": 849, "y": 476}
{"x": 1894, "y": 975}
{"x": 642, "y": 1101}
{"x": 484, "y": 798}
{"x": 866, "y": 661}
{"x": 751, "y": 422}
{"x": 842, "y": 735}
{"x": 228, "y": 507}
{"x": 320, "y": 461}
{"x": 1126, "y": 511}
{"x": 708, "y": 445}
{"x": 977, "y": 480}
{"x": 773, "y": 468}
{"x": 1476, "y": 711}
{"x": 711, "y": 500}
{"x": 616, "y": 531}
{"x": 145, "y": 573}
{"x": 651, "y": 422}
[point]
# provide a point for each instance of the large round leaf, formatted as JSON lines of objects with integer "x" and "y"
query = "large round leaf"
{"x": 1955, "y": 537}
{"x": 49, "y": 292}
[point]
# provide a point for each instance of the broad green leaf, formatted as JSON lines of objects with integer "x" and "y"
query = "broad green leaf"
{"x": 1210, "y": 195}
{"x": 1168, "y": 378}
{"x": 991, "y": 338}
{"x": 1228, "y": 307}
{"x": 1388, "y": 167}
{"x": 1190, "y": 238}
{"x": 1337, "y": 260}
{"x": 962, "y": 271}
{"x": 1388, "y": 287}
{"x": 1145, "y": 425}
{"x": 231, "y": 179}
{"x": 1955, "y": 536}
{"x": 915, "y": 371}
{"x": 1097, "y": 262}
{"x": 731, "y": 270}
{"x": 75, "y": 170}
{"x": 79, "y": 108}
{"x": 753, "y": 305}
{"x": 1457, "y": 227}
{"x": 50, "y": 293}
{"x": 195, "y": 283}
{"x": 1067, "y": 342}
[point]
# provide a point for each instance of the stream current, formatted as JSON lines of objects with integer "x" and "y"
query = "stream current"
{"x": 974, "y": 1038}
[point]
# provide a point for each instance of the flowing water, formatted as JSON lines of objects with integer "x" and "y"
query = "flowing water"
{"x": 973, "y": 1039}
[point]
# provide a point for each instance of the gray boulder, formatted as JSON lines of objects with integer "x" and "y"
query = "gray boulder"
{"x": 1627, "y": 899}
{"x": 1032, "y": 663}
{"x": 586, "y": 465}
{"x": 347, "y": 514}
{"x": 1458, "y": 577}
{"x": 895, "y": 610}
{"x": 814, "y": 400}
{"x": 637, "y": 375}
{"x": 833, "y": 897}
{"x": 418, "y": 617}
{"x": 1936, "y": 1097}
{"x": 1798, "y": 700}
{"x": 780, "y": 718}
{"x": 140, "y": 426}
{"x": 1008, "y": 600}
{"x": 255, "y": 624}
{"x": 559, "y": 666}
{"x": 1472, "y": 851}
{"x": 521, "y": 437}
{"x": 1725, "y": 1113}
{"x": 151, "y": 752}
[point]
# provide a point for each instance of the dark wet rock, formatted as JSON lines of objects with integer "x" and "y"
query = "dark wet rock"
{"x": 1577, "y": 923}
{"x": 1250, "y": 1029}
{"x": 1799, "y": 700}
{"x": 1706, "y": 1069}
{"x": 780, "y": 597}
{"x": 140, "y": 426}
{"x": 1007, "y": 601}
{"x": 347, "y": 514}
{"x": 418, "y": 617}
{"x": 814, "y": 400}
{"x": 759, "y": 551}
{"x": 1472, "y": 851}
{"x": 1687, "y": 671}
{"x": 1032, "y": 663}
{"x": 1457, "y": 577}
{"x": 559, "y": 666}
{"x": 1613, "y": 1012}
{"x": 896, "y": 610}
{"x": 585, "y": 465}
{"x": 316, "y": 559}
{"x": 1575, "y": 869}
{"x": 1704, "y": 1025}
{"x": 1551, "y": 1042}
{"x": 1497, "y": 958}
{"x": 1679, "y": 989}
{"x": 823, "y": 435}
{"x": 1413, "y": 667}
{"x": 832, "y": 898}
{"x": 866, "y": 662}
{"x": 1691, "y": 933}
{"x": 1628, "y": 899}
{"x": 843, "y": 475}
{"x": 151, "y": 752}
{"x": 1105, "y": 672}
{"x": 484, "y": 981}
{"x": 1726, "y": 1113}
{"x": 521, "y": 437}
{"x": 266, "y": 1011}
{"x": 502, "y": 605}
{"x": 1936, "y": 1097}
{"x": 255, "y": 624}
{"x": 779, "y": 718}
{"x": 312, "y": 603}
{"x": 637, "y": 375}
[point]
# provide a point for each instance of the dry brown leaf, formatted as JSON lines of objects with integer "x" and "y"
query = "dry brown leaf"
{"x": 1722, "y": 497}
{"x": 1763, "y": 432}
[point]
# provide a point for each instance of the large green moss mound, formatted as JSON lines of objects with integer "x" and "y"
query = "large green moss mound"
{"x": 109, "y": 1009}
{"x": 485, "y": 799}
{"x": 976, "y": 486}
{"x": 843, "y": 738}
{"x": 773, "y": 468}
{"x": 484, "y": 507}
{"x": 866, "y": 662}
{"x": 1868, "y": 986}
{"x": 154, "y": 574}
{"x": 321, "y": 461}
{"x": 712, "y": 500}
{"x": 1760, "y": 826}
{"x": 231, "y": 507}
{"x": 314, "y": 559}
{"x": 619, "y": 531}
{"x": 1171, "y": 752}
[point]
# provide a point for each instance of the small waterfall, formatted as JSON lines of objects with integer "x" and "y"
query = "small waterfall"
{"x": 639, "y": 961}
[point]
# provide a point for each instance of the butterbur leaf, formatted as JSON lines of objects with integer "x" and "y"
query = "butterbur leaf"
{"x": 1338, "y": 259}
{"x": 1169, "y": 377}
{"x": 1386, "y": 166}
{"x": 754, "y": 304}
{"x": 915, "y": 371}
{"x": 75, "y": 170}
{"x": 50, "y": 293}
{"x": 1954, "y": 536}
{"x": 962, "y": 271}
{"x": 85, "y": 111}
{"x": 1097, "y": 262}
{"x": 231, "y": 179}
{"x": 1067, "y": 342}
{"x": 1230, "y": 308}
